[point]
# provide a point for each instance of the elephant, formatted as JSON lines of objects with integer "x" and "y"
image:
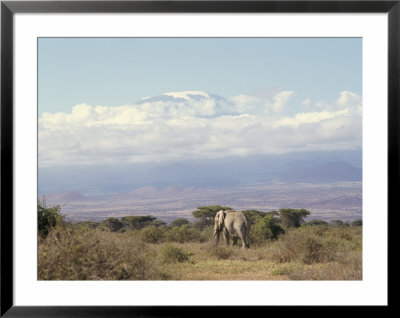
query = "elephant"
{"x": 232, "y": 223}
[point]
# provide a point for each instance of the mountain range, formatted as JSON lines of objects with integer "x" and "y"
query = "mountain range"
{"x": 232, "y": 171}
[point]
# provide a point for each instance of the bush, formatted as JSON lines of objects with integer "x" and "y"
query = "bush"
{"x": 48, "y": 217}
{"x": 93, "y": 254}
{"x": 339, "y": 223}
{"x": 174, "y": 254}
{"x": 183, "y": 234}
{"x": 86, "y": 225}
{"x": 221, "y": 252}
{"x": 138, "y": 222}
{"x": 153, "y": 234}
{"x": 265, "y": 228}
{"x": 112, "y": 224}
{"x": 316, "y": 222}
{"x": 310, "y": 245}
{"x": 206, "y": 234}
{"x": 311, "y": 250}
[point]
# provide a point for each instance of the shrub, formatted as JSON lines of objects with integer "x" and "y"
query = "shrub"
{"x": 206, "y": 234}
{"x": 86, "y": 225}
{"x": 182, "y": 234}
{"x": 94, "y": 255}
{"x": 112, "y": 224}
{"x": 357, "y": 222}
{"x": 137, "y": 222}
{"x": 221, "y": 252}
{"x": 316, "y": 222}
{"x": 153, "y": 234}
{"x": 48, "y": 217}
{"x": 339, "y": 223}
{"x": 265, "y": 228}
{"x": 311, "y": 250}
{"x": 174, "y": 254}
{"x": 308, "y": 246}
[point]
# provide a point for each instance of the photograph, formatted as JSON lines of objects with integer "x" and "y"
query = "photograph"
{"x": 199, "y": 158}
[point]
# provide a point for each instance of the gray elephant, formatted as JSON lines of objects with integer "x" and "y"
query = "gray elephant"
{"x": 232, "y": 223}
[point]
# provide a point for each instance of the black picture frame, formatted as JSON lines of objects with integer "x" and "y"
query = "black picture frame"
{"x": 8, "y": 8}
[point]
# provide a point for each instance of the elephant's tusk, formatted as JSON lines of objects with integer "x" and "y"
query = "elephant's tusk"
{"x": 215, "y": 232}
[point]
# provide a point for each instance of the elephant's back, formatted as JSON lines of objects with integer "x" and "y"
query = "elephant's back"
{"x": 235, "y": 220}
{"x": 237, "y": 215}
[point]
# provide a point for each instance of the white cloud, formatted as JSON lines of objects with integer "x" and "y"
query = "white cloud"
{"x": 347, "y": 98}
{"x": 311, "y": 117}
{"x": 279, "y": 102}
{"x": 201, "y": 127}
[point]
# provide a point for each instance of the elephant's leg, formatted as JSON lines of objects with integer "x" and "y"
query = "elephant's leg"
{"x": 243, "y": 238}
{"x": 226, "y": 237}
{"x": 234, "y": 239}
{"x": 217, "y": 240}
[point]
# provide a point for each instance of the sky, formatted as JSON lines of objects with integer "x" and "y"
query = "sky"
{"x": 225, "y": 96}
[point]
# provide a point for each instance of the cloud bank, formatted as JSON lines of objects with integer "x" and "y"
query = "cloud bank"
{"x": 194, "y": 125}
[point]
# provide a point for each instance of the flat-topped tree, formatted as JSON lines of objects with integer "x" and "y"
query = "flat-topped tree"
{"x": 253, "y": 215}
{"x": 179, "y": 222}
{"x": 293, "y": 217}
{"x": 112, "y": 224}
{"x": 138, "y": 222}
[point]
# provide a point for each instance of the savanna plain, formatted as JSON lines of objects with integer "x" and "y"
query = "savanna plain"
{"x": 283, "y": 246}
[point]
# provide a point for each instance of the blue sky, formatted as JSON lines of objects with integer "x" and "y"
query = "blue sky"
{"x": 280, "y": 95}
{"x": 118, "y": 71}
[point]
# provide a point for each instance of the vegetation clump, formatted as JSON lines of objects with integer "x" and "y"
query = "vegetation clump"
{"x": 182, "y": 234}
{"x": 153, "y": 234}
{"x": 221, "y": 252}
{"x": 48, "y": 217}
{"x": 174, "y": 254}
{"x": 266, "y": 228}
{"x": 283, "y": 246}
{"x": 293, "y": 217}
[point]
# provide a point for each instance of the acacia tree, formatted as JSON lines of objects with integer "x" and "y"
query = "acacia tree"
{"x": 357, "y": 222}
{"x": 316, "y": 222}
{"x": 137, "y": 222}
{"x": 179, "y": 222}
{"x": 293, "y": 217}
{"x": 113, "y": 224}
{"x": 339, "y": 223}
{"x": 205, "y": 214}
{"x": 253, "y": 215}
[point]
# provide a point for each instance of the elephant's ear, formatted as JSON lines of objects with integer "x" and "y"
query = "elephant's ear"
{"x": 221, "y": 217}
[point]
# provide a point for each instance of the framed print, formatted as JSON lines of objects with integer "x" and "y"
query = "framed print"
{"x": 161, "y": 155}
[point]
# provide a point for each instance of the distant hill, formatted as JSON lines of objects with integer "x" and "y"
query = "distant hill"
{"x": 344, "y": 201}
{"x": 222, "y": 172}
{"x": 324, "y": 172}
{"x": 66, "y": 197}
{"x": 137, "y": 194}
